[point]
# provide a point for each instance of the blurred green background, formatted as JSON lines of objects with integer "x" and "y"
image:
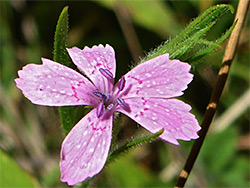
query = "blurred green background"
{"x": 30, "y": 135}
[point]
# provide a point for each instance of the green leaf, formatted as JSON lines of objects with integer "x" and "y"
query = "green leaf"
{"x": 67, "y": 113}
{"x": 211, "y": 47}
{"x": 129, "y": 145}
{"x": 61, "y": 36}
{"x": 70, "y": 115}
{"x": 181, "y": 46}
{"x": 12, "y": 175}
{"x": 207, "y": 17}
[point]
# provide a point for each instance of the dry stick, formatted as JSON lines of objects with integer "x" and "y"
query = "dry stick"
{"x": 124, "y": 20}
{"x": 217, "y": 91}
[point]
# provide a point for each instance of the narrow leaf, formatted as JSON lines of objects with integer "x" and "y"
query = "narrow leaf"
{"x": 61, "y": 36}
{"x": 211, "y": 47}
{"x": 192, "y": 35}
{"x": 126, "y": 147}
{"x": 179, "y": 50}
{"x": 61, "y": 56}
{"x": 210, "y": 15}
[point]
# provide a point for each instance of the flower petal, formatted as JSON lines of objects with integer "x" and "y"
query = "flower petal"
{"x": 53, "y": 84}
{"x": 158, "y": 77}
{"x": 85, "y": 149}
{"x": 91, "y": 60}
{"x": 171, "y": 114}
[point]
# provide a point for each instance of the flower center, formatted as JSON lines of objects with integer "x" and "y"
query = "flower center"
{"x": 107, "y": 101}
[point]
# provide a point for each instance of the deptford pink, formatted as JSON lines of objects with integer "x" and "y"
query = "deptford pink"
{"x": 144, "y": 94}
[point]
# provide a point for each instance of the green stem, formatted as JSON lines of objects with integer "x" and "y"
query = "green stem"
{"x": 129, "y": 145}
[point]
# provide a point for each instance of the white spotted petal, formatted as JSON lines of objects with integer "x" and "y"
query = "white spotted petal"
{"x": 91, "y": 60}
{"x": 158, "y": 77}
{"x": 171, "y": 114}
{"x": 85, "y": 149}
{"x": 53, "y": 84}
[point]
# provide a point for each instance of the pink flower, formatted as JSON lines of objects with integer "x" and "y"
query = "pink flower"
{"x": 144, "y": 94}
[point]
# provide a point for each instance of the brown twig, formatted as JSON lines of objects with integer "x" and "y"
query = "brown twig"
{"x": 124, "y": 20}
{"x": 217, "y": 91}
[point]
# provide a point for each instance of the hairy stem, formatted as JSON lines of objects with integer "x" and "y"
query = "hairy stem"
{"x": 217, "y": 91}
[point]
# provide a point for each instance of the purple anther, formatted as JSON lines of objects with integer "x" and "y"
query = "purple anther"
{"x": 109, "y": 107}
{"x": 99, "y": 110}
{"x": 121, "y": 83}
{"x": 120, "y": 101}
{"x": 98, "y": 94}
{"x": 106, "y": 73}
{"x": 106, "y": 96}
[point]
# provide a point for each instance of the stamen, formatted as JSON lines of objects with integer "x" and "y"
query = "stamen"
{"x": 109, "y": 107}
{"x": 120, "y": 101}
{"x": 106, "y": 73}
{"x": 98, "y": 94}
{"x": 100, "y": 109}
{"x": 106, "y": 97}
{"x": 121, "y": 83}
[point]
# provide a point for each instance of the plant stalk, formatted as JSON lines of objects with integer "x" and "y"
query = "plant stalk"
{"x": 217, "y": 91}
